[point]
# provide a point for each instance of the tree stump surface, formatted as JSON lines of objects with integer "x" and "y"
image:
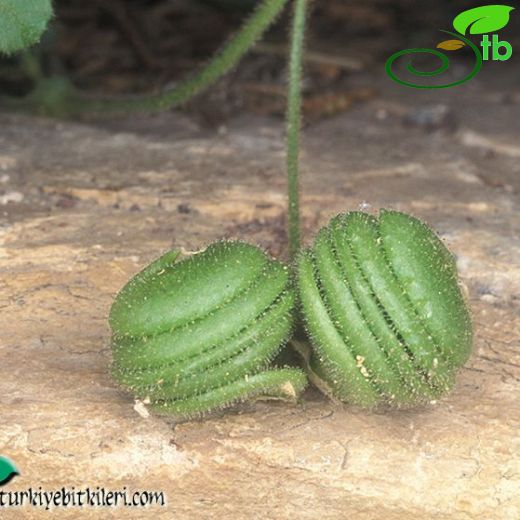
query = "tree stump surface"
{"x": 85, "y": 206}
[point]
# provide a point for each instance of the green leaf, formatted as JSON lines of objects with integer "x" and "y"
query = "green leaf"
{"x": 481, "y": 20}
{"x": 7, "y": 470}
{"x": 22, "y": 22}
{"x": 451, "y": 45}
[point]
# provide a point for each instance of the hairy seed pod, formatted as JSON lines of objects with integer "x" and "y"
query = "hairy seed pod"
{"x": 199, "y": 334}
{"x": 382, "y": 305}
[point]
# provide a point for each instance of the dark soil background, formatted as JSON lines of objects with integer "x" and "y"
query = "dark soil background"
{"x": 117, "y": 46}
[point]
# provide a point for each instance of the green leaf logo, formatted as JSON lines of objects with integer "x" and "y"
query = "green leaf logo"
{"x": 7, "y": 470}
{"x": 484, "y": 19}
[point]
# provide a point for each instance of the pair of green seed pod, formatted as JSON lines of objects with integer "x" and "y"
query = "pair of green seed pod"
{"x": 379, "y": 299}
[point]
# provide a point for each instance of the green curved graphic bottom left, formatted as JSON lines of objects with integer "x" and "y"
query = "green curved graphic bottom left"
{"x": 7, "y": 470}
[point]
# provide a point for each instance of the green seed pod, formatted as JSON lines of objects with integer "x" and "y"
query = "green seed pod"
{"x": 199, "y": 334}
{"x": 382, "y": 305}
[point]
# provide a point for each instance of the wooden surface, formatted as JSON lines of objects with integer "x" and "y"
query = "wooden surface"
{"x": 86, "y": 206}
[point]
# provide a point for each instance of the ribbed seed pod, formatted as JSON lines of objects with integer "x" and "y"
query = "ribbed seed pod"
{"x": 382, "y": 305}
{"x": 199, "y": 334}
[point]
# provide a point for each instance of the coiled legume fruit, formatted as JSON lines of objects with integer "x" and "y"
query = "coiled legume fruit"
{"x": 382, "y": 305}
{"x": 200, "y": 334}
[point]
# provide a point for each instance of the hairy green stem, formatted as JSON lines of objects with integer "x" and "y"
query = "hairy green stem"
{"x": 221, "y": 63}
{"x": 293, "y": 124}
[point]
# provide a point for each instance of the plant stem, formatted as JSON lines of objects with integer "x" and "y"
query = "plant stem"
{"x": 294, "y": 123}
{"x": 221, "y": 63}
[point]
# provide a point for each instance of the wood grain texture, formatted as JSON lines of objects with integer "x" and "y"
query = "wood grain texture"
{"x": 113, "y": 196}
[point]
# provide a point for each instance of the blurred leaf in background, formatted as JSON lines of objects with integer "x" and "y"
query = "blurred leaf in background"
{"x": 22, "y": 22}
